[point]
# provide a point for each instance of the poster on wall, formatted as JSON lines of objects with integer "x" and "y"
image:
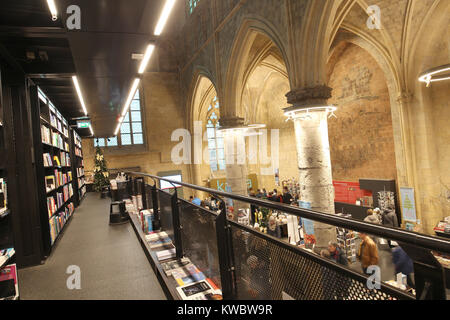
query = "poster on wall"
{"x": 408, "y": 204}
{"x": 308, "y": 226}
{"x": 277, "y": 176}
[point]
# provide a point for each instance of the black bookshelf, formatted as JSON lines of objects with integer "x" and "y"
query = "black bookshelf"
{"x": 79, "y": 183}
{"x": 54, "y": 173}
{"x": 9, "y": 288}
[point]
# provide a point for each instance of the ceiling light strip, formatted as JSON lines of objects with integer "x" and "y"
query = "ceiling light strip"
{"x": 164, "y": 17}
{"x": 147, "y": 56}
{"x": 92, "y": 130}
{"x": 80, "y": 96}
{"x": 52, "y": 8}
{"x": 127, "y": 104}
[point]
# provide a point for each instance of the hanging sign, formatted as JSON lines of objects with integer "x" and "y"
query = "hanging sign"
{"x": 308, "y": 225}
{"x": 408, "y": 204}
{"x": 83, "y": 124}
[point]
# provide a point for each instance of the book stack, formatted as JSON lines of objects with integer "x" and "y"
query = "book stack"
{"x": 45, "y": 133}
{"x": 160, "y": 242}
{"x": 51, "y": 205}
{"x": 166, "y": 254}
{"x": 60, "y": 199}
{"x": 53, "y": 120}
{"x": 59, "y": 178}
{"x": 169, "y": 266}
{"x": 47, "y": 160}
{"x": 146, "y": 217}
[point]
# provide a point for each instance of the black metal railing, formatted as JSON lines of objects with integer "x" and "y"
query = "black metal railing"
{"x": 253, "y": 265}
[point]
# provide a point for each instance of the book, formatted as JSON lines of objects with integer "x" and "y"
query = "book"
{"x": 171, "y": 265}
{"x": 3, "y": 196}
{"x": 9, "y": 287}
{"x": 50, "y": 183}
{"x": 5, "y": 255}
{"x": 201, "y": 290}
{"x": 166, "y": 254}
{"x": 58, "y": 163}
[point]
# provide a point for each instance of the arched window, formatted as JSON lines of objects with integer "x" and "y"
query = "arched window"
{"x": 215, "y": 138}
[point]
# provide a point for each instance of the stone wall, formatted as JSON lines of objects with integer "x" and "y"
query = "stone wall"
{"x": 163, "y": 114}
{"x": 361, "y": 138}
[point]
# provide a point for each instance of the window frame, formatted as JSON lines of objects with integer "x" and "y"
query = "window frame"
{"x": 123, "y": 149}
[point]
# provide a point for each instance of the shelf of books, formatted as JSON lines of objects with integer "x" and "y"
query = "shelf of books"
{"x": 9, "y": 289}
{"x": 56, "y": 170}
{"x": 180, "y": 278}
{"x": 78, "y": 168}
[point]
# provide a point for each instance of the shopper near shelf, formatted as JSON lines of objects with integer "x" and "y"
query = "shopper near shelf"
{"x": 372, "y": 217}
{"x": 277, "y": 195}
{"x": 368, "y": 252}
{"x": 403, "y": 264}
{"x": 337, "y": 254}
{"x": 390, "y": 220}
{"x": 287, "y": 197}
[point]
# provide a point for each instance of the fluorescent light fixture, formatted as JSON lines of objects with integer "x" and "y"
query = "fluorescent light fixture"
{"x": 92, "y": 130}
{"x": 53, "y": 11}
{"x": 130, "y": 96}
{"x": 127, "y": 104}
{"x": 164, "y": 16}
{"x": 430, "y": 75}
{"x": 147, "y": 56}
{"x": 80, "y": 96}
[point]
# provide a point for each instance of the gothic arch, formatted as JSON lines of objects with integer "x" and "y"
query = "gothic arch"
{"x": 243, "y": 60}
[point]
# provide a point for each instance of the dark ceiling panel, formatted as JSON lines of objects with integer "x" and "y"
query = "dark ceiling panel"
{"x": 99, "y": 54}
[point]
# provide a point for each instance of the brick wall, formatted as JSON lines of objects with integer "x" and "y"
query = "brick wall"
{"x": 361, "y": 138}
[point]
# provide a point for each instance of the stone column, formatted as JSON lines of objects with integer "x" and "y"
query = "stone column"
{"x": 313, "y": 150}
{"x": 235, "y": 157}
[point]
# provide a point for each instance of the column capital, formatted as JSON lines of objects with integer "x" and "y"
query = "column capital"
{"x": 404, "y": 97}
{"x": 308, "y": 96}
{"x": 231, "y": 122}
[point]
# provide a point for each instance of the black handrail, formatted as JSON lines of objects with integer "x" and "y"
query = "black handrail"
{"x": 414, "y": 238}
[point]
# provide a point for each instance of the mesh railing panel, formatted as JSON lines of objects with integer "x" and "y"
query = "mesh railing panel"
{"x": 166, "y": 215}
{"x": 264, "y": 270}
{"x": 199, "y": 239}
